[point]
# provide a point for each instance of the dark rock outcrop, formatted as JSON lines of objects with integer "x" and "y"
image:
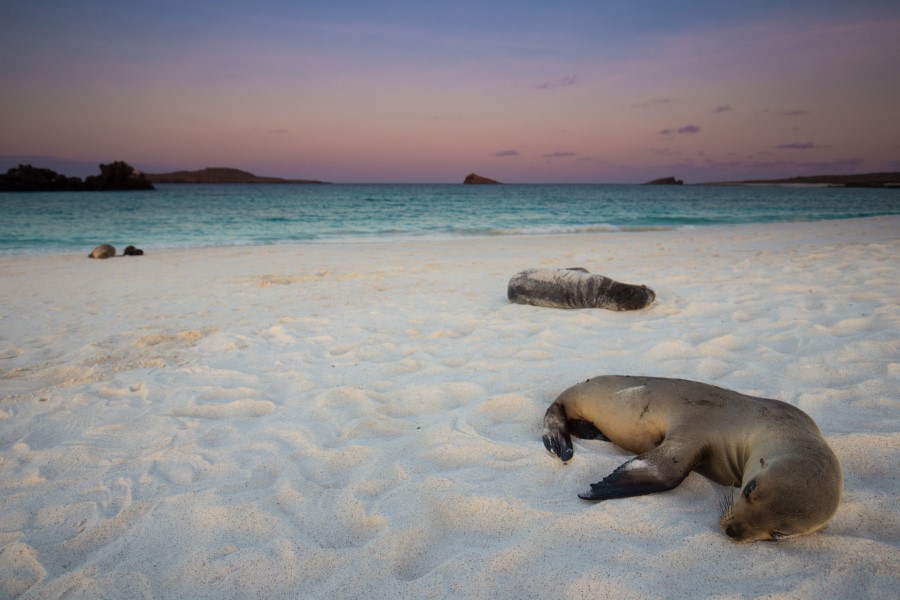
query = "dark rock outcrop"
{"x": 472, "y": 178}
{"x": 26, "y": 178}
{"x": 113, "y": 176}
{"x": 118, "y": 175}
{"x": 665, "y": 181}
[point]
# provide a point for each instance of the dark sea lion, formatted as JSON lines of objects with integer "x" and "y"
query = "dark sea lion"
{"x": 102, "y": 251}
{"x": 790, "y": 479}
{"x": 132, "y": 251}
{"x": 576, "y": 288}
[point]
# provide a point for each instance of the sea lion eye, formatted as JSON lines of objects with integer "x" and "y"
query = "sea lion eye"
{"x": 777, "y": 535}
{"x": 748, "y": 489}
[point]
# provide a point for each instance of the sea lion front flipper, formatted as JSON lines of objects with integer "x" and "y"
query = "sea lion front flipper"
{"x": 556, "y": 434}
{"x": 658, "y": 470}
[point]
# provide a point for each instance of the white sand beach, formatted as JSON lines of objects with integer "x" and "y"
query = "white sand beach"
{"x": 363, "y": 420}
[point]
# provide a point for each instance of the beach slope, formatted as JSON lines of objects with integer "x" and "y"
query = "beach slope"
{"x": 363, "y": 420}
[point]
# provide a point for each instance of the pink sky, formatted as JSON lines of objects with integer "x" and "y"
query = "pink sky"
{"x": 372, "y": 96}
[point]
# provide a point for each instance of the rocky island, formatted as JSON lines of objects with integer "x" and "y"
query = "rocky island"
{"x": 115, "y": 176}
{"x": 472, "y": 178}
{"x": 665, "y": 181}
{"x": 219, "y": 175}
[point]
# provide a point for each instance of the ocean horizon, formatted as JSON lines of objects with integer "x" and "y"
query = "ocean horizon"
{"x": 210, "y": 215}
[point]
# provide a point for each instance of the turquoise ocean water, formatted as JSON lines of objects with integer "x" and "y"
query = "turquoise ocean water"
{"x": 185, "y": 216}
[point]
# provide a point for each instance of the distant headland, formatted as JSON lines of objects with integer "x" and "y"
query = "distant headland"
{"x": 220, "y": 175}
{"x": 871, "y": 180}
{"x": 113, "y": 176}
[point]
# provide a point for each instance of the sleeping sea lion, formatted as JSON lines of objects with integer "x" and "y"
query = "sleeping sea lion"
{"x": 576, "y": 288}
{"x": 102, "y": 251}
{"x": 790, "y": 479}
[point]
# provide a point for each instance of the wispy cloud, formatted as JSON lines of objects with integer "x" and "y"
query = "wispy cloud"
{"x": 653, "y": 102}
{"x": 797, "y": 146}
{"x": 722, "y": 108}
{"x": 682, "y": 130}
{"x": 560, "y": 155}
{"x": 278, "y": 131}
{"x": 565, "y": 81}
{"x": 506, "y": 153}
{"x": 794, "y": 113}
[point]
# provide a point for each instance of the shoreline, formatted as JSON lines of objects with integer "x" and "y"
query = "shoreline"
{"x": 430, "y": 238}
{"x": 363, "y": 419}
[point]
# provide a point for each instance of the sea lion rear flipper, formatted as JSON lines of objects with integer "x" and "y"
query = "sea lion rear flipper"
{"x": 658, "y": 470}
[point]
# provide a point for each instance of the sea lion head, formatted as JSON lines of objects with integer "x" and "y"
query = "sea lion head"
{"x": 784, "y": 497}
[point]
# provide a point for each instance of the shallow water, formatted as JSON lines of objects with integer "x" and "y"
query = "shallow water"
{"x": 176, "y": 216}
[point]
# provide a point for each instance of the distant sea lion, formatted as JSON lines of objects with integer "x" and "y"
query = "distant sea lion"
{"x": 102, "y": 251}
{"x": 132, "y": 251}
{"x": 576, "y": 288}
{"x": 790, "y": 479}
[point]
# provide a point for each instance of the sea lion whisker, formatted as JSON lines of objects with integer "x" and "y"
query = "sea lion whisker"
{"x": 726, "y": 505}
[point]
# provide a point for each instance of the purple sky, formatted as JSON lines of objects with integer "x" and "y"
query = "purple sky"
{"x": 403, "y": 91}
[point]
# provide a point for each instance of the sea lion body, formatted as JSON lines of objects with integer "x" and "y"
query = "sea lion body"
{"x": 790, "y": 479}
{"x": 102, "y": 251}
{"x": 576, "y": 288}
